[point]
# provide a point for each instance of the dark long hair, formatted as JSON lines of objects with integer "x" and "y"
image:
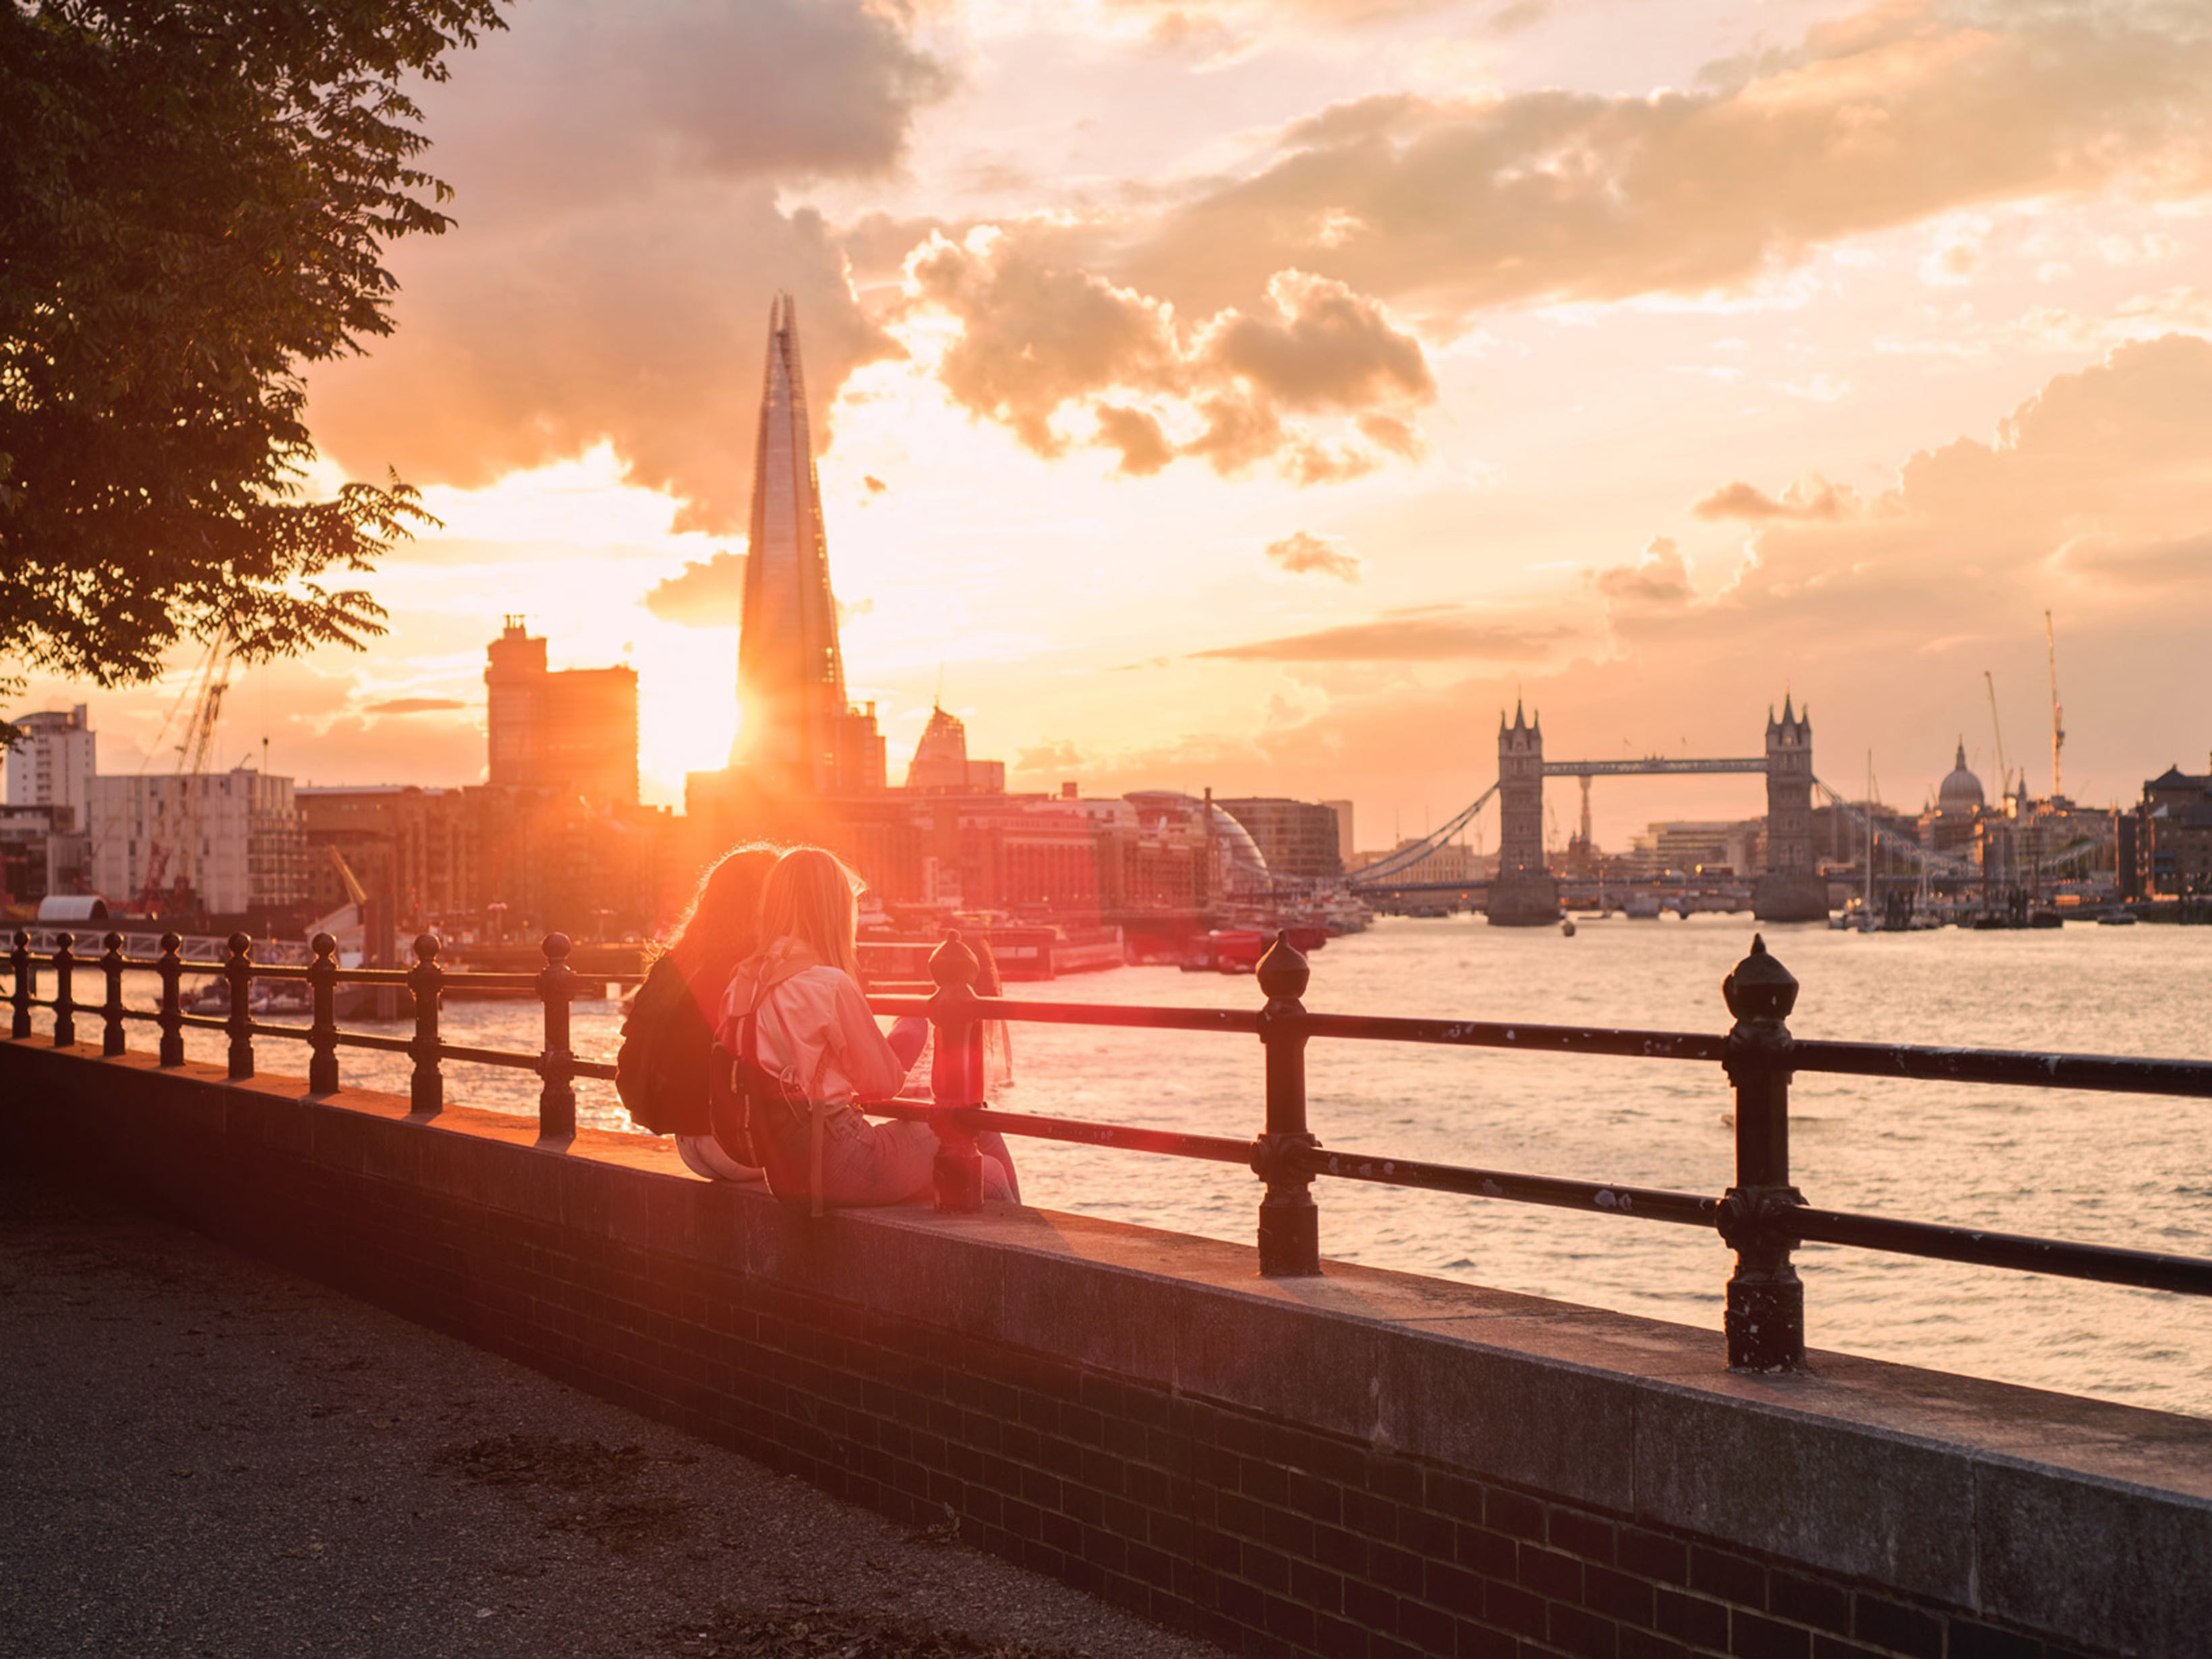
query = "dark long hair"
{"x": 721, "y": 927}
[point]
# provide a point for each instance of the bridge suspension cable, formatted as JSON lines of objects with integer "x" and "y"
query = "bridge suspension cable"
{"x": 1421, "y": 850}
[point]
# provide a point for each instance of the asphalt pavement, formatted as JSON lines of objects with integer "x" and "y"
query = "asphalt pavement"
{"x": 204, "y": 1455}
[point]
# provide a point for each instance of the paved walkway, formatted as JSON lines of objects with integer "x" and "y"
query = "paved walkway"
{"x": 201, "y": 1455}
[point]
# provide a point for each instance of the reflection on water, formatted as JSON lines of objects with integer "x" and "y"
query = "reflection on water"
{"x": 2106, "y": 1168}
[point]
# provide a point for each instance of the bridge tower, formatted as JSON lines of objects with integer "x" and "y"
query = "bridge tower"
{"x": 1523, "y": 893}
{"x": 1792, "y": 888}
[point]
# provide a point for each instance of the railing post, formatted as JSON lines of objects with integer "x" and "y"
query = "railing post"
{"x": 1290, "y": 1224}
{"x": 111, "y": 1031}
{"x": 171, "y": 968}
{"x": 955, "y": 1072}
{"x": 1766, "y": 1317}
{"x": 64, "y": 991}
{"x": 323, "y": 1025}
{"x": 239, "y": 970}
{"x": 19, "y": 960}
{"x": 556, "y": 1094}
{"x": 426, "y": 1092}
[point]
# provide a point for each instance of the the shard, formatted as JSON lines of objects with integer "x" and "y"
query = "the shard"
{"x": 798, "y": 734}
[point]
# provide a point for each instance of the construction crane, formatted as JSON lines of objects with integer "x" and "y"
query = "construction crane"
{"x": 2057, "y": 714}
{"x": 176, "y": 810}
{"x": 2004, "y": 773}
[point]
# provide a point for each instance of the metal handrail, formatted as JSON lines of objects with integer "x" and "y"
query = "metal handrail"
{"x": 1762, "y": 1217}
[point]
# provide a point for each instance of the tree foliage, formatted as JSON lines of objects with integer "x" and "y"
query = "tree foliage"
{"x": 195, "y": 198}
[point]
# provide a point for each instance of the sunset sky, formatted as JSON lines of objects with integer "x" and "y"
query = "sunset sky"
{"x": 1261, "y": 395}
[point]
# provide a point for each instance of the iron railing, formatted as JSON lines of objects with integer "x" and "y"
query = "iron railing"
{"x": 1762, "y": 1216}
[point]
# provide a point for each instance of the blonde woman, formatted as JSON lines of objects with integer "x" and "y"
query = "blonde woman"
{"x": 813, "y": 1030}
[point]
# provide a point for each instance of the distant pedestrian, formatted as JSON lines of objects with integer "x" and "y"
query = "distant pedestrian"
{"x": 663, "y": 1068}
{"x": 811, "y": 1030}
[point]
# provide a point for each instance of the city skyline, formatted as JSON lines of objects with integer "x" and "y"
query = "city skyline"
{"x": 1844, "y": 435}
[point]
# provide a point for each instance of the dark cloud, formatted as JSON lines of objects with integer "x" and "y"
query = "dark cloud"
{"x": 710, "y": 594}
{"x": 619, "y": 237}
{"x": 413, "y": 705}
{"x": 1904, "y": 111}
{"x": 1040, "y": 342}
{"x": 1430, "y": 634}
{"x": 1300, "y": 553}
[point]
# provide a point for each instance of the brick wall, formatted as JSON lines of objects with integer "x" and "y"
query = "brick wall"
{"x": 871, "y": 1356}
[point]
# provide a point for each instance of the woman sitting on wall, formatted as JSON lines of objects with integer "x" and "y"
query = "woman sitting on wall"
{"x": 813, "y": 1032}
{"x": 662, "y": 1072}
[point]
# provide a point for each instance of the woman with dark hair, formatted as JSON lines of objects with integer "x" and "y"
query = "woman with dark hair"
{"x": 668, "y": 1039}
{"x": 796, "y": 1010}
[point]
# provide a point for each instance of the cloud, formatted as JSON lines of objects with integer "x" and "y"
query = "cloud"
{"x": 1429, "y": 633}
{"x": 1054, "y": 756}
{"x": 1812, "y": 498}
{"x": 1145, "y": 448}
{"x": 2142, "y": 316}
{"x": 2094, "y": 495}
{"x": 2092, "y": 498}
{"x": 2158, "y": 564}
{"x": 413, "y": 705}
{"x": 1040, "y": 342}
{"x": 1899, "y": 113}
{"x": 705, "y": 593}
{"x": 1657, "y": 579}
{"x": 619, "y": 236}
{"x": 1300, "y": 553}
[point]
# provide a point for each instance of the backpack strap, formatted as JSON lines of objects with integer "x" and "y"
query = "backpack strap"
{"x": 818, "y": 1110}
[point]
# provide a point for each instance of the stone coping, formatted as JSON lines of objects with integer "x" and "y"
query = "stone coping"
{"x": 2073, "y": 1515}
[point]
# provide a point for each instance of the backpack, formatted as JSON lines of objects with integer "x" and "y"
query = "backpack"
{"x": 761, "y": 1120}
{"x": 657, "y": 1070}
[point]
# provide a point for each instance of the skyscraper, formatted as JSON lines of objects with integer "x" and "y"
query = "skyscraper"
{"x": 798, "y": 734}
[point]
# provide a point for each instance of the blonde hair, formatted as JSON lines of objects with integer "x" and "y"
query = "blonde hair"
{"x": 812, "y": 896}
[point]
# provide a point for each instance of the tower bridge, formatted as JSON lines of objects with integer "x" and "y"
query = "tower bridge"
{"x": 1524, "y": 893}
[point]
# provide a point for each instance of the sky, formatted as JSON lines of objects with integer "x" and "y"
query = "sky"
{"x": 1266, "y": 395}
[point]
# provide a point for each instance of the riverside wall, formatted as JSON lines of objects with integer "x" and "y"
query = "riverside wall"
{"x": 1370, "y": 1464}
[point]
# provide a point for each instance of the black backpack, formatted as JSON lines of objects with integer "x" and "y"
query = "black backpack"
{"x": 662, "y": 1071}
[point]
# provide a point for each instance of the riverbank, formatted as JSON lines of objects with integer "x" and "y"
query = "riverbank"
{"x": 204, "y": 1455}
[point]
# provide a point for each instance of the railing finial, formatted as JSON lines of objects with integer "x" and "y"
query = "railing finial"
{"x": 952, "y": 963}
{"x": 239, "y": 970}
{"x": 1290, "y": 1223}
{"x": 64, "y": 961}
{"x": 171, "y": 968}
{"x": 556, "y": 1089}
{"x": 110, "y": 962}
{"x": 323, "y": 1025}
{"x": 1283, "y": 972}
{"x": 19, "y": 960}
{"x": 955, "y": 1072}
{"x": 1764, "y": 1319}
{"x": 426, "y": 1089}
{"x": 1759, "y": 986}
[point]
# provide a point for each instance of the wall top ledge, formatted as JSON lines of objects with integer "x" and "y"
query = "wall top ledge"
{"x": 1020, "y": 1270}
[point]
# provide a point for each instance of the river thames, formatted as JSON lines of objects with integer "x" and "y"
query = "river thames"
{"x": 2121, "y": 1169}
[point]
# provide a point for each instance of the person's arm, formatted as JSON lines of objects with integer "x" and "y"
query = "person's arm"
{"x": 867, "y": 1058}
